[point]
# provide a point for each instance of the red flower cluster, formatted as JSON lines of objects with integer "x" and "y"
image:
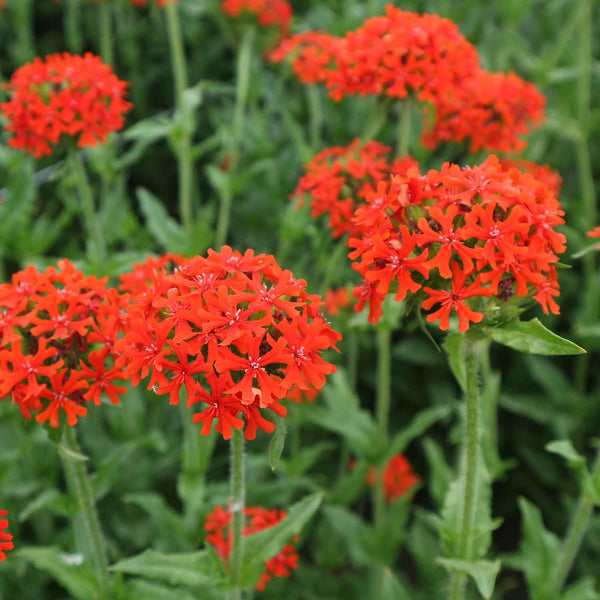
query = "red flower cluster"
{"x": 218, "y": 534}
{"x": 404, "y": 53}
{"x": 491, "y": 109}
{"x": 76, "y": 96}
{"x": 336, "y": 301}
{"x": 57, "y": 342}
{"x": 398, "y": 478}
{"x": 300, "y": 396}
{"x": 453, "y": 237}
{"x": 237, "y": 331}
{"x": 5, "y": 538}
{"x": 337, "y": 178}
{"x": 542, "y": 173}
{"x": 269, "y": 13}
{"x": 594, "y": 233}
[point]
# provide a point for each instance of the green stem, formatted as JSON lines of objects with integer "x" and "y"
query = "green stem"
{"x": 79, "y": 486}
{"x": 185, "y": 160}
{"x": 244, "y": 61}
{"x": 382, "y": 410}
{"x": 73, "y": 27}
{"x": 579, "y": 522}
{"x": 96, "y": 249}
{"x": 237, "y": 508}
{"x": 24, "y": 27}
{"x": 315, "y": 114}
{"x": 403, "y": 132}
{"x": 106, "y": 39}
{"x": 589, "y": 208}
{"x": 470, "y": 459}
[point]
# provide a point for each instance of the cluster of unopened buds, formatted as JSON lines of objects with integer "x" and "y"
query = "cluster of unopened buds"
{"x": 235, "y": 330}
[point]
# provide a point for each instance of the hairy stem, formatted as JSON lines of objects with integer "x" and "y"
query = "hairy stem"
{"x": 237, "y": 508}
{"x": 79, "y": 487}
{"x": 470, "y": 452}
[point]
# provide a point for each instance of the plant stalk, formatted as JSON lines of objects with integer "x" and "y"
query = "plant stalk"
{"x": 79, "y": 486}
{"x": 185, "y": 161}
{"x": 382, "y": 410}
{"x": 577, "y": 528}
{"x": 237, "y": 508}
{"x": 244, "y": 61}
{"x": 96, "y": 250}
{"x": 403, "y": 132}
{"x": 470, "y": 459}
{"x": 73, "y": 26}
{"x": 106, "y": 38}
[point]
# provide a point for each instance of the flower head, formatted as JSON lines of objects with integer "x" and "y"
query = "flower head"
{"x": 57, "y": 342}
{"x": 219, "y": 534}
{"x": 235, "y": 330}
{"x": 457, "y": 239}
{"x": 398, "y": 478}
{"x": 337, "y": 180}
{"x": 63, "y": 95}
{"x": 404, "y": 54}
{"x": 268, "y": 13}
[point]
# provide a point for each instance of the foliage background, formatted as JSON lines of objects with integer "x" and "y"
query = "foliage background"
{"x": 135, "y": 449}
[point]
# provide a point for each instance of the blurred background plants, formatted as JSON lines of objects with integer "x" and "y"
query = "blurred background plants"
{"x": 135, "y": 448}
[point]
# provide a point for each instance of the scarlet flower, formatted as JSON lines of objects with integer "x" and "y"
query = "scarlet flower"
{"x": 458, "y": 234}
{"x": 5, "y": 537}
{"x": 235, "y": 330}
{"x": 63, "y": 95}
{"x": 402, "y": 54}
{"x": 398, "y": 478}
{"x": 219, "y": 534}
{"x": 58, "y": 330}
{"x": 338, "y": 179}
{"x": 268, "y": 13}
{"x": 336, "y": 301}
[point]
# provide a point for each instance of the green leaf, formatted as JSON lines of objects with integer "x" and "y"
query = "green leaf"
{"x": 264, "y": 545}
{"x": 393, "y": 588}
{"x": 343, "y": 415}
{"x": 65, "y": 569}
{"x": 277, "y": 441}
{"x": 585, "y": 589}
{"x": 139, "y": 588}
{"x": 170, "y": 531}
{"x": 149, "y": 130}
{"x": 451, "y": 516}
{"x": 417, "y": 427}
{"x": 164, "y": 229}
{"x": 533, "y": 337}
{"x": 440, "y": 473}
{"x": 566, "y": 449}
{"x": 538, "y": 554}
{"x": 455, "y": 348}
{"x": 483, "y": 572}
{"x": 349, "y": 533}
{"x": 191, "y": 569}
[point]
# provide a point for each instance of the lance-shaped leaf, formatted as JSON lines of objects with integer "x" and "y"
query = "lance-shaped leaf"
{"x": 533, "y": 337}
